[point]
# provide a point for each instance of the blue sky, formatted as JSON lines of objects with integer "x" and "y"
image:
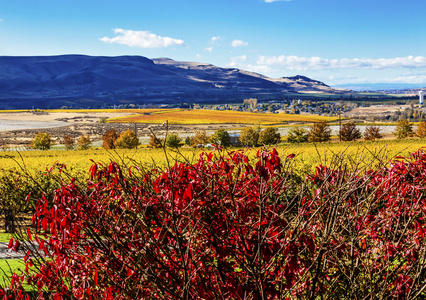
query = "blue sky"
{"x": 335, "y": 41}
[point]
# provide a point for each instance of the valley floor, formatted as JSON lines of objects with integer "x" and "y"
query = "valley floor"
{"x": 19, "y": 128}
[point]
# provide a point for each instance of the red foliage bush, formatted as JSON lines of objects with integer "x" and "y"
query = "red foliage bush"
{"x": 224, "y": 228}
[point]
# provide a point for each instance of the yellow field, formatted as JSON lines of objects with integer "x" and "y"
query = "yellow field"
{"x": 308, "y": 156}
{"x": 79, "y": 161}
{"x": 180, "y": 116}
{"x": 361, "y": 153}
{"x": 188, "y": 117}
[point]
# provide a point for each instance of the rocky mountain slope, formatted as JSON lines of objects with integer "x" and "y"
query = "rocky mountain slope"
{"x": 82, "y": 81}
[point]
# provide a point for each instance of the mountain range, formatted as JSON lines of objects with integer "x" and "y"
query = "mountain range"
{"x": 98, "y": 81}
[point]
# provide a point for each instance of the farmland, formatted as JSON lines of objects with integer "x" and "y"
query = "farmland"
{"x": 59, "y": 123}
{"x": 180, "y": 116}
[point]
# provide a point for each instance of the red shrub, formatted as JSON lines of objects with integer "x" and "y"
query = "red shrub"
{"x": 224, "y": 228}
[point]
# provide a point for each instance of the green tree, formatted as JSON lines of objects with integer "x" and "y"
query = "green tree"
{"x": 84, "y": 142}
{"x": 109, "y": 139}
{"x": 221, "y": 138}
{"x": 403, "y": 129}
{"x": 320, "y": 132}
{"x": 349, "y": 132}
{"x": 249, "y": 136}
{"x": 269, "y": 136}
{"x": 372, "y": 133}
{"x": 42, "y": 141}
{"x": 127, "y": 140}
{"x": 173, "y": 141}
{"x": 297, "y": 135}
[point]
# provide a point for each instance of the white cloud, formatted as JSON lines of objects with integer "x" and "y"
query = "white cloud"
{"x": 215, "y": 38}
{"x": 261, "y": 69}
{"x": 270, "y": 1}
{"x": 318, "y": 63}
{"x": 209, "y": 49}
{"x": 198, "y": 56}
{"x": 412, "y": 79}
{"x": 240, "y": 63}
{"x": 239, "y": 58}
{"x": 236, "y": 62}
{"x": 238, "y": 43}
{"x": 348, "y": 79}
{"x": 142, "y": 39}
{"x": 1, "y": 20}
{"x": 233, "y": 64}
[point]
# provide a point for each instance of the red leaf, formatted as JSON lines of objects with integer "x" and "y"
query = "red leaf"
{"x": 29, "y": 234}
{"x": 57, "y": 296}
{"x": 188, "y": 193}
{"x": 420, "y": 229}
{"x": 130, "y": 272}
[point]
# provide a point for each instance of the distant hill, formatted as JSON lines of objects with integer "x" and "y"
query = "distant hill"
{"x": 82, "y": 81}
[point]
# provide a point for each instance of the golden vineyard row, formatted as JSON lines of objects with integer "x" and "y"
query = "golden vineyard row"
{"x": 307, "y": 155}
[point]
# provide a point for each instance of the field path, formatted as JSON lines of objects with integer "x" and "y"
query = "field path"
{"x": 6, "y": 254}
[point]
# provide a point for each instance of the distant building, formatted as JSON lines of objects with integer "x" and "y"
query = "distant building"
{"x": 421, "y": 97}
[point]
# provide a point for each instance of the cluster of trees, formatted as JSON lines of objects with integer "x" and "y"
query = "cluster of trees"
{"x": 43, "y": 141}
{"x": 321, "y": 132}
{"x": 254, "y": 136}
{"x": 249, "y": 136}
{"x": 172, "y": 141}
{"x": 404, "y": 129}
{"x": 220, "y": 137}
{"x": 126, "y": 140}
{"x": 111, "y": 140}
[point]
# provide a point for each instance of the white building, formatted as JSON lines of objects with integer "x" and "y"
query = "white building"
{"x": 421, "y": 97}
